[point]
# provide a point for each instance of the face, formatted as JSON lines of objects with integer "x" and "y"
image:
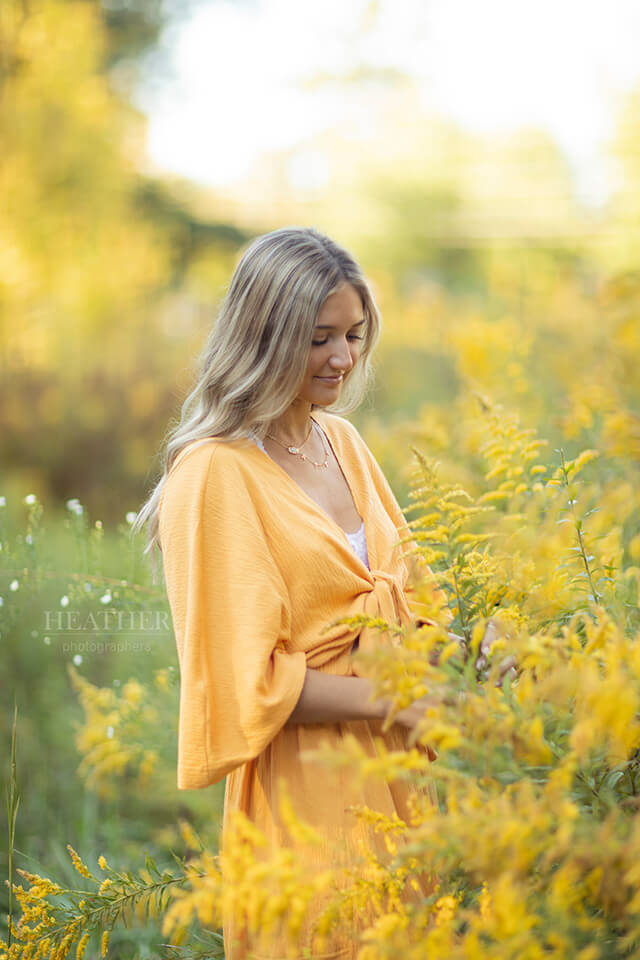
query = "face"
{"x": 336, "y": 346}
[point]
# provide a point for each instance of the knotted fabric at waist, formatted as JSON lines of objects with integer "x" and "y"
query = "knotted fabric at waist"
{"x": 382, "y": 598}
{"x": 387, "y": 599}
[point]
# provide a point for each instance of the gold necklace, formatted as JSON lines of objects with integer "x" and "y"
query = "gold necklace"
{"x": 297, "y": 452}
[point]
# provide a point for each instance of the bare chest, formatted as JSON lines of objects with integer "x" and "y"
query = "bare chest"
{"x": 327, "y": 486}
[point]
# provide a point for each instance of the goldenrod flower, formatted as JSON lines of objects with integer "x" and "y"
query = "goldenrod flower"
{"x": 78, "y": 864}
{"x": 82, "y": 945}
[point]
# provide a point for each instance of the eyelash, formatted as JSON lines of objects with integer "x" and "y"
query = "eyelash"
{"x": 321, "y": 343}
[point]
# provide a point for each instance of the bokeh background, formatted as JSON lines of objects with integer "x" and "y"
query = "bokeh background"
{"x": 481, "y": 160}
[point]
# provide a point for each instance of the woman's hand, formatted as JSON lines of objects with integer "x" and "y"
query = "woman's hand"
{"x": 414, "y": 713}
{"x": 492, "y": 633}
{"x": 412, "y": 717}
{"x": 507, "y": 665}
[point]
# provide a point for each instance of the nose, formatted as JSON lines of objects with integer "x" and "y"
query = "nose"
{"x": 340, "y": 359}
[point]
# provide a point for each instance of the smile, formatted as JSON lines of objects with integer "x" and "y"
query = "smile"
{"x": 330, "y": 379}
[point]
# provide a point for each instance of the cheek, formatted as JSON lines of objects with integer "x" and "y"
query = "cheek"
{"x": 356, "y": 350}
{"x": 317, "y": 360}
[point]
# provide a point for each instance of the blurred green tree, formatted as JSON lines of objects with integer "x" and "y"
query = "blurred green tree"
{"x": 96, "y": 258}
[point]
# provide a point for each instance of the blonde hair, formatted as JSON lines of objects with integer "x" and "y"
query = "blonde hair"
{"x": 254, "y": 362}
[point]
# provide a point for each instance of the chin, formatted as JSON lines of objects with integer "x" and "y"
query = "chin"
{"x": 325, "y": 395}
{"x": 322, "y": 394}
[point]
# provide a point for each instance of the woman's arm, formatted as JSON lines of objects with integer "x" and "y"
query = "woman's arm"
{"x": 326, "y": 698}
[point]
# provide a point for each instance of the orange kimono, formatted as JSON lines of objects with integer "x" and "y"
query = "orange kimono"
{"x": 255, "y": 570}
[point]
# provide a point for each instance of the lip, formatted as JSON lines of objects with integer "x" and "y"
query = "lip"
{"x": 330, "y": 379}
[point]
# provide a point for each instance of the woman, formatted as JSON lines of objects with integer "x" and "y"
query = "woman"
{"x": 274, "y": 521}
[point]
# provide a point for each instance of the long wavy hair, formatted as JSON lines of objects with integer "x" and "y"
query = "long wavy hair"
{"x": 254, "y": 362}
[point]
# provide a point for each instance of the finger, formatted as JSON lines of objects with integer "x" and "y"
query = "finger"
{"x": 413, "y": 735}
{"x": 507, "y": 671}
{"x": 487, "y": 642}
{"x": 507, "y": 664}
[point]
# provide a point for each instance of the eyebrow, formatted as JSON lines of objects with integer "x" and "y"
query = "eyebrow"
{"x": 327, "y": 326}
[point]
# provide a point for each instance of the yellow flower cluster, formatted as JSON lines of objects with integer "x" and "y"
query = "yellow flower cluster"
{"x": 112, "y": 738}
{"x": 533, "y": 846}
{"x": 54, "y": 918}
{"x": 78, "y": 864}
{"x": 263, "y": 891}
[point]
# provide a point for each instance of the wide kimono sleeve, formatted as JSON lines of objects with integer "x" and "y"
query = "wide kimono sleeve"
{"x": 230, "y": 609}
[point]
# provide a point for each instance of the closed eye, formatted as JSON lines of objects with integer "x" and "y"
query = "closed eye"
{"x": 351, "y": 336}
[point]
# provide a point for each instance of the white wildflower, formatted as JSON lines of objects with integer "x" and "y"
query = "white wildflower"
{"x": 14, "y": 585}
{"x": 30, "y": 499}
{"x": 106, "y": 597}
{"x": 64, "y": 601}
{"x": 77, "y": 659}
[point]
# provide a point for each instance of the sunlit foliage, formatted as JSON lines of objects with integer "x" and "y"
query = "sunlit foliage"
{"x": 534, "y": 842}
{"x": 506, "y": 416}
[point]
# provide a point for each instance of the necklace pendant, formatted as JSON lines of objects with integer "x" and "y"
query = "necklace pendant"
{"x": 293, "y": 449}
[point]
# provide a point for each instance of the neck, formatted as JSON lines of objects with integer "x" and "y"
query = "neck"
{"x": 294, "y": 423}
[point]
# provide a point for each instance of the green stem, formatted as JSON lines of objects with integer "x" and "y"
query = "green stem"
{"x": 578, "y": 529}
{"x": 118, "y": 903}
{"x": 12, "y": 813}
{"x": 463, "y": 619}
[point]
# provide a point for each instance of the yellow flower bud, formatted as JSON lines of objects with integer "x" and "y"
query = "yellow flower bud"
{"x": 78, "y": 864}
{"x": 82, "y": 945}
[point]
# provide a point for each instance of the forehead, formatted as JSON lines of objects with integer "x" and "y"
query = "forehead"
{"x": 342, "y": 308}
